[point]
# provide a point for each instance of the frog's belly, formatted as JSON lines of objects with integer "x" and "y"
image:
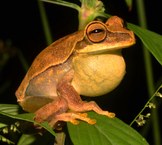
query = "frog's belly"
{"x": 95, "y": 75}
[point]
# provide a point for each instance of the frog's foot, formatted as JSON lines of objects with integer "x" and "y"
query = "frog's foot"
{"x": 74, "y": 117}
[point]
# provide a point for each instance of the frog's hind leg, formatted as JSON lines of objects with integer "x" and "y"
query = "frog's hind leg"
{"x": 57, "y": 111}
{"x": 50, "y": 110}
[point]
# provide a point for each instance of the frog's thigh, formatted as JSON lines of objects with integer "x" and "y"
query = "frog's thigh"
{"x": 33, "y": 103}
{"x": 50, "y": 110}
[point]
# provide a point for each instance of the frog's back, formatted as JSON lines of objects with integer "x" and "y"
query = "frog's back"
{"x": 56, "y": 53}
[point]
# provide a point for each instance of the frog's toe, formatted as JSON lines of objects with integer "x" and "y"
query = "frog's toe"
{"x": 110, "y": 114}
{"x": 91, "y": 121}
{"x": 74, "y": 121}
{"x": 83, "y": 114}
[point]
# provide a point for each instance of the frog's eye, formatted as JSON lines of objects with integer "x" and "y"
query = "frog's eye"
{"x": 96, "y": 32}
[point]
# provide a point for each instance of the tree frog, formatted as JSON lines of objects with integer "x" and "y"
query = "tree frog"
{"x": 88, "y": 62}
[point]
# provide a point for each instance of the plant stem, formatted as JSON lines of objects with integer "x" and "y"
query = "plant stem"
{"x": 22, "y": 60}
{"x": 149, "y": 73}
{"x": 146, "y": 105}
{"x": 59, "y": 136}
{"x": 63, "y": 3}
{"x": 45, "y": 23}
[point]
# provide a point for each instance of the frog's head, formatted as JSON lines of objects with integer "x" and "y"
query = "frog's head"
{"x": 105, "y": 37}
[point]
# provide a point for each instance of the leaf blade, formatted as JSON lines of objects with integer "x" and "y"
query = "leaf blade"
{"x": 26, "y": 139}
{"x": 151, "y": 40}
{"x": 25, "y": 116}
{"x": 106, "y": 131}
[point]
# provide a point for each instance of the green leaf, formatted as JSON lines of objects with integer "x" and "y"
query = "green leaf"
{"x": 25, "y": 116}
{"x": 106, "y": 131}
{"x": 26, "y": 139}
{"x": 151, "y": 40}
{"x": 2, "y": 125}
{"x": 129, "y": 4}
{"x": 9, "y": 108}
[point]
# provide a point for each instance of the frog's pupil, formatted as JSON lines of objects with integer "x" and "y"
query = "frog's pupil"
{"x": 96, "y": 31}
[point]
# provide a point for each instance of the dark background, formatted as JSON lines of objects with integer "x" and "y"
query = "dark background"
{"x": 20, "y": 24}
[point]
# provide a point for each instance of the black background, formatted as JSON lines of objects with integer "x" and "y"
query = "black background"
{"x": 20, "y": 23}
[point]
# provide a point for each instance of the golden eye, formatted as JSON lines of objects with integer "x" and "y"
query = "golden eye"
{"x": 96, "y": 32}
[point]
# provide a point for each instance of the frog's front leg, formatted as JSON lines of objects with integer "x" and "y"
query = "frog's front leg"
{"x": 75, "y": 103}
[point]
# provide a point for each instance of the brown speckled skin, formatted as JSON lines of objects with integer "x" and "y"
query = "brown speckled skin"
{"x": 56, "y": 53}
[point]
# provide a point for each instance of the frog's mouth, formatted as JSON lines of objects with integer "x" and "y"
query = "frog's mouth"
{"x": 98, "y": 52}
{"x": 103, "y": 49}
